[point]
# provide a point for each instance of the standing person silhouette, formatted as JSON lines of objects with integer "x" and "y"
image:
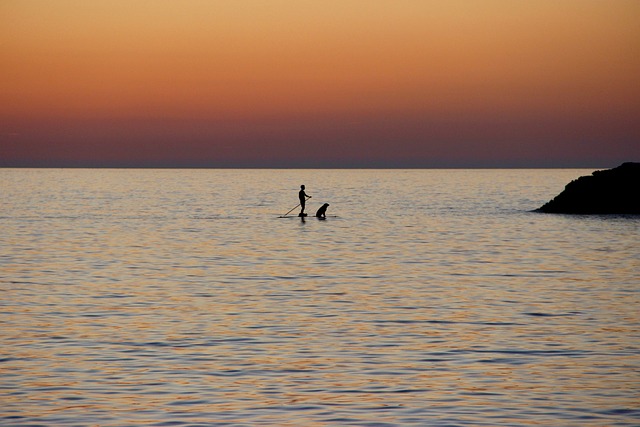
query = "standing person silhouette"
{"x": 303, "y": 198}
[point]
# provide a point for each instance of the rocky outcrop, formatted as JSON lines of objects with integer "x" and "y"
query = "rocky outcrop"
{"x": 611, "y": 191}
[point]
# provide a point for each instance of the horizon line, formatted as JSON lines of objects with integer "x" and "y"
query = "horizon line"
{"x": 375, "y": 167}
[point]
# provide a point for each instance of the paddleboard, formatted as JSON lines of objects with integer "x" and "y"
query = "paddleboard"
{"x": 307, "y": 217}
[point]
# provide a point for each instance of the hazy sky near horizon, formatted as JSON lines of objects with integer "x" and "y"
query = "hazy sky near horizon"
{"x": 338, "y": 83}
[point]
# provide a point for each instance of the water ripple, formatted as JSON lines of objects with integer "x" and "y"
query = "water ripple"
{"x": 172, "y": 300}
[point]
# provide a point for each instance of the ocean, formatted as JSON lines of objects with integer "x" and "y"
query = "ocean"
{"x": 426, "y": 298}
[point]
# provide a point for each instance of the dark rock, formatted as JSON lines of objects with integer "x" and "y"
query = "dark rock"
{"x": 611, "y": 191}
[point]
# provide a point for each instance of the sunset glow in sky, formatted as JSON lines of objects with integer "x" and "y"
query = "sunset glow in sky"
{"x": 344, "y": 83}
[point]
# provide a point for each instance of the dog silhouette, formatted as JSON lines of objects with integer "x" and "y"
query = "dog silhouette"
{"x": 322, "y": 212}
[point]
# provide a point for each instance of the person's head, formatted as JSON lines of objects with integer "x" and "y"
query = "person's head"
{"x": 302, "y": 187}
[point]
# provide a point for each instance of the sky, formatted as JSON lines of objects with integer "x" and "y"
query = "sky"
{"x": 333, "y": 83}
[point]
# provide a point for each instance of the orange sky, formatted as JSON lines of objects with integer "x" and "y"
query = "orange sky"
{"x": 502, "y": 81}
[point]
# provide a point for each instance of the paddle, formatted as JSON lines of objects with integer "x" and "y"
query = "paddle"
{"x": 308, "y": 197}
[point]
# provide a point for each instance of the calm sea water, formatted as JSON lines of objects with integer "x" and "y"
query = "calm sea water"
{"x": 433, "y": 298}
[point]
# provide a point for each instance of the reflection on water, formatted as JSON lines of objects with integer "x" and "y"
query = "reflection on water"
{"x": 178, "y": 298}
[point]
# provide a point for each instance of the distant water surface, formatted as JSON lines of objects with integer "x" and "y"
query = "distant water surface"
{"x": 431, "y": 298}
